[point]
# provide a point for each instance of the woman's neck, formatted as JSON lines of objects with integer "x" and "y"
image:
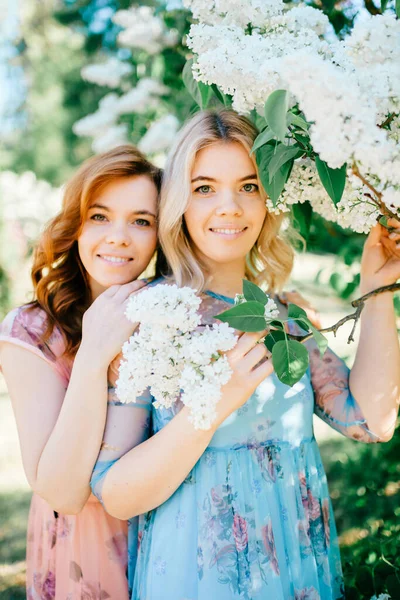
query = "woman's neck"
{"x": 227, "y": 280}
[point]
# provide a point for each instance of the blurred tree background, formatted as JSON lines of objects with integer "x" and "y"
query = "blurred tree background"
{"x": 84, "y": 75}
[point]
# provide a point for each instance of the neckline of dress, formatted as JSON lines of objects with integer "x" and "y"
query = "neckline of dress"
{"x": 220, "y": 297}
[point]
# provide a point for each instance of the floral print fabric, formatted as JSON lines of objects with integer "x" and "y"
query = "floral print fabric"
{"x": 253, "y": 519}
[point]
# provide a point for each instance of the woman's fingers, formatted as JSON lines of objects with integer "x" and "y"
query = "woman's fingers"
{"x": 246, "y": 342}
{"x": 253, "y": 357}
{"x": 262, "y": 371}
{"x": 127, "y": 289}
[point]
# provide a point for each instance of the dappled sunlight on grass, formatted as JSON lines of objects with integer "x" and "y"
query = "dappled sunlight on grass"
{"x": 364, "y": 481}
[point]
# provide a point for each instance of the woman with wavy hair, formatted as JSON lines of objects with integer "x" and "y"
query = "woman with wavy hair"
{"x": 243, "y": 510}
{"x": 55, "y": 353}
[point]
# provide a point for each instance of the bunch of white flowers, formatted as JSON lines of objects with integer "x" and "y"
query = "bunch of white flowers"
{"x": 172, "y": 355}
{"x": 143, "y": 29}
{"x": 348, "y": 90}
{"x": 160, "y": 135}
{"x": 143, "y": 97}
{"x": 108, "y": 73}
{"x": 103, "y": 126}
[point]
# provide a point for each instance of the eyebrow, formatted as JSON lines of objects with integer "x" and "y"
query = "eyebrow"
{"x": 206, "y": 178}
{"x": 134, "y": 212}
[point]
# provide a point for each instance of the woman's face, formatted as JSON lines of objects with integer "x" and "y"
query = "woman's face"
{"x": 119, "y": 234}
{"x": 226, "y": 211}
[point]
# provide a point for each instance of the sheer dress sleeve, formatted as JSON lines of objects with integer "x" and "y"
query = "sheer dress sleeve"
{"x": 24, "y": 327}
{"x": 333, "y": 400}
{"x": 127, "y": 426}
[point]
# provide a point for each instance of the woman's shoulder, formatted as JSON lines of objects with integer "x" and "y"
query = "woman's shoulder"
{"x": 28, "y": 319}
{"x": 27, "y": 324}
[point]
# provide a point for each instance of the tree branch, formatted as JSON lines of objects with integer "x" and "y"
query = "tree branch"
{"x": 358, "y": 304}
{"x": 371, "y": 8}
{"x": 378, "y": 195}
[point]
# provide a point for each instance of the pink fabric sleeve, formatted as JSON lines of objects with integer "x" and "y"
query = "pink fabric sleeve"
{"x": 24, "y": 328}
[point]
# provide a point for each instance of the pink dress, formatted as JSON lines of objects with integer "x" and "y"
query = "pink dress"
{"x": 69, "y": 557}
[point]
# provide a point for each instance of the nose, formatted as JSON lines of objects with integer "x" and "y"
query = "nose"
{"x": 118, "y": 235}
{"x": 229, "y": 204}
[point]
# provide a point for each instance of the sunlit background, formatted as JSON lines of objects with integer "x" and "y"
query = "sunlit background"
{"x": 79, "y": 77}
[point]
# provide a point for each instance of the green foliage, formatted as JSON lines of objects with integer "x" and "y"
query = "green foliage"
{"x": 364, "y": 480}
{"x": 333, "y": 180}
{"x": 290, "y": 360}
{"x": 275, "y": 110}
{"x": 274, "y": 187}
{"x": 248, "y": 316}
{"x": 251, "y": 291}
{"x": 302, "y": 218}
{"x": 51, "y": 58}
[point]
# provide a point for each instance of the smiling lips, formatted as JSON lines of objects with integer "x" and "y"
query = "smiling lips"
{"x": 228, "y": 231}
{"x": 115, "y": 260}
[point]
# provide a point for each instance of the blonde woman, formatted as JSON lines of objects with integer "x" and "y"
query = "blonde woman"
{"x": 243, "y": 510}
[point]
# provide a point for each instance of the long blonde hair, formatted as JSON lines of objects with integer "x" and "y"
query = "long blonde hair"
{"x": 270, "y": 261}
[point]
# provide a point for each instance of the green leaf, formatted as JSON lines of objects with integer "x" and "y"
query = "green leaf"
{"x": 384, "y": 221}
{"x": 302, "y": 218}
{"x": 264, "y": 137}
{"x": 200, "y": 92}
{"x": 333, "y": 180}
{"x": 251, "y": 291}
{"x": 303, "y": 140}
{"x": 292, "y": 119}
{"x": 190, "y": 82}
{"x": 273, "y": 337}
{"x": 223, "y": 98}
{"x": 295, "y": 312}
{"x": 277, "y": 324}
{"x": 248, "y": 316}
{"x": 275, "y": 187}
{"x": 319, "y": 338}
{"x": 275, "y": 110}
{"x": 206, "y": 94}
{"x": 384, "y": 4}
{"x": 398, "y": 8}
{"x": 282, "y": 154}
{"x": 290, "y": 360}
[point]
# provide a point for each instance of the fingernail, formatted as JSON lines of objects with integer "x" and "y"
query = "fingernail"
{"x": 393, "y": 235}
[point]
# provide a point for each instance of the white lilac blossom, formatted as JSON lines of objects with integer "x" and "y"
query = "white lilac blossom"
{"x": 108, "y": 73}
{"x": 172, "y": 355}
{"x": 346, "y": 89}
{"x": 142, "y": 98}
{"x": 165, "y": 306}
{"x": 271, "y": 310}
{"x": 160, "y": 135}
{"x": 98, "y": 122}
{"x": 27, "y": 201}
{"x": 144, "y": 30}
{"x": 234, "y": 12}
{"x": 113, "y": 136}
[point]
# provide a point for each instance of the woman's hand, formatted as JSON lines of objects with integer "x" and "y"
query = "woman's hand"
{"x": 105, "y": 327}
{"x": 249, "y": 368}
{"x": 380, "y": 263}
{"x": 295, "y": 298}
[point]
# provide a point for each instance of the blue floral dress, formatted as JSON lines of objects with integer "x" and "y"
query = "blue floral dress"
{"x": 253, "y": 519}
